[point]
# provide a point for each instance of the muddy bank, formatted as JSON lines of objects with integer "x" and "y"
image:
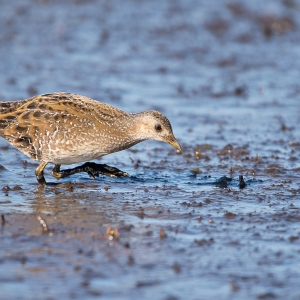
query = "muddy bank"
{"x": 181, "y": 226}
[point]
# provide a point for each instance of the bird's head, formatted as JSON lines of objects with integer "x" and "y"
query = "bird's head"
{"x": 152, "y": 125}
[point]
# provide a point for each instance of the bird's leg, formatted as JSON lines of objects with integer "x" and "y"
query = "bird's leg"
{"x": 93, "y": 170}
{"x": 39, "y": 173}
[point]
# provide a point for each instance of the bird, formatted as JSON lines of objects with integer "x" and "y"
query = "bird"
{"x": 64, "y": 128}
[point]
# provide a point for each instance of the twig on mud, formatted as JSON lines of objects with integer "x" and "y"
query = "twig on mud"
{"x": 112, "y": 233}
{"x": 162, "y": 234}
{"x": 43, "y": 224}
{"x": 3, "y": 221}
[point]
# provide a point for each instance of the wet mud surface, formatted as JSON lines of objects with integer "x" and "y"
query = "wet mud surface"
{"x": 186, "y": 226}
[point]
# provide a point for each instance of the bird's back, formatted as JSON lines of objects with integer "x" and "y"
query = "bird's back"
{"x": 7, "y": 107}
{"x": 60, "y": 125}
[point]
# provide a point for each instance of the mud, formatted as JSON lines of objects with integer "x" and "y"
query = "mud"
{"x": 187, "y": 226}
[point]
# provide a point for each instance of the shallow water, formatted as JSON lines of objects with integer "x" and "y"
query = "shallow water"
{"x": 226, "y": 74}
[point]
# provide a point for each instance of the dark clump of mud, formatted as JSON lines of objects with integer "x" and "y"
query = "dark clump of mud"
{"x": 219, "y": 221}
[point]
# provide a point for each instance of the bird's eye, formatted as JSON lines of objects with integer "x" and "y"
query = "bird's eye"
{"x": 158, "y": 127}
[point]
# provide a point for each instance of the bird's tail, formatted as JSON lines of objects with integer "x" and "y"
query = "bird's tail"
{"x": 7, "y": 107}
{"x": 8, "y": 114}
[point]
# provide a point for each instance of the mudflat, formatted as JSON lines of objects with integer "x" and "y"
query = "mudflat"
{"x": 219, "y": 221}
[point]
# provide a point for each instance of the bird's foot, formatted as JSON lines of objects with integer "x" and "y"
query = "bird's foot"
{"x": 93, "y": 170}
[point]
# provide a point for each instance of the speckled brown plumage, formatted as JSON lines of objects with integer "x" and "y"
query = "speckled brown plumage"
{"x": 63, "y": 128}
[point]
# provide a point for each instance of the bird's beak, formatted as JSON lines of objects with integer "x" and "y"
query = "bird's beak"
{"x": 172, "y": 141}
